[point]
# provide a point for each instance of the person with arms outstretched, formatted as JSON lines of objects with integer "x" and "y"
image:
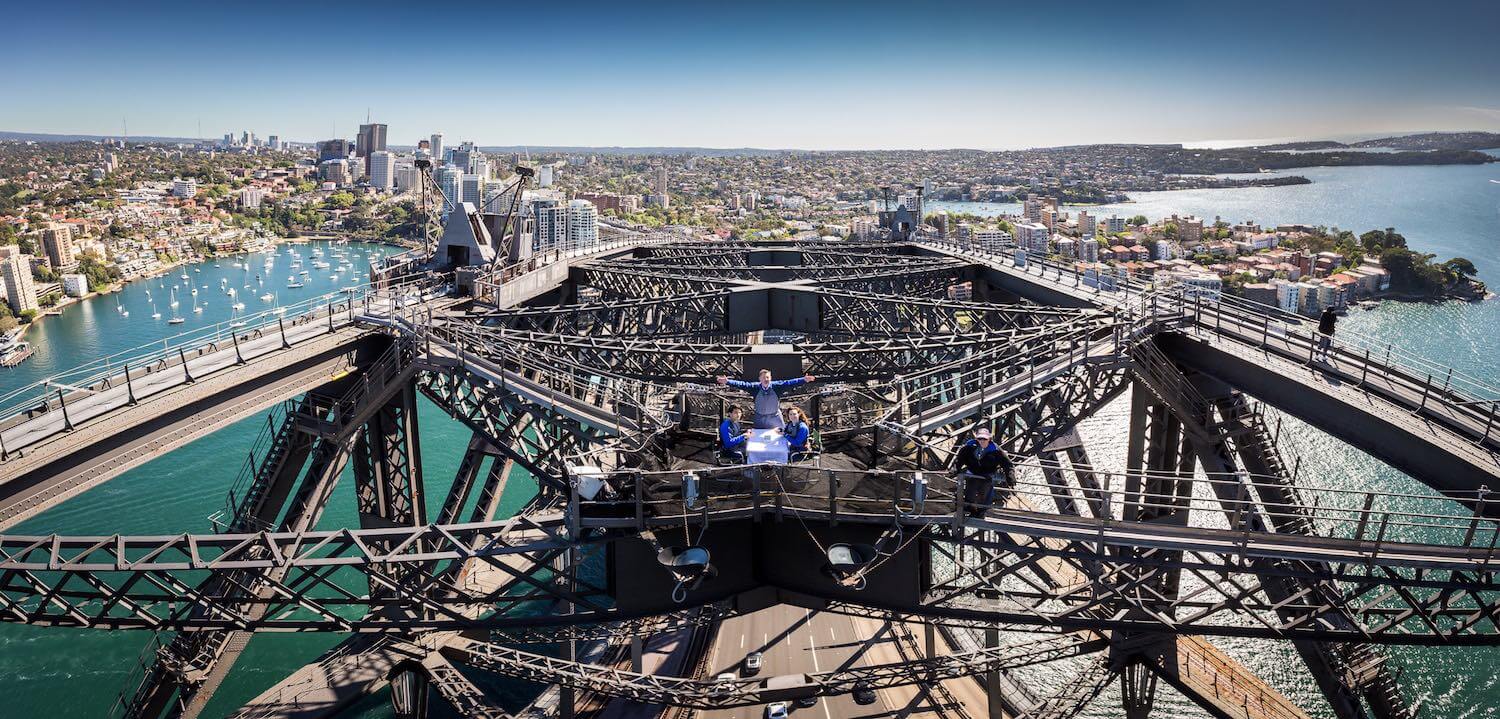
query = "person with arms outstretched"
{"x": 767, "y": 393}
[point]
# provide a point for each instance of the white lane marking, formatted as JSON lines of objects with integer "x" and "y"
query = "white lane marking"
{"x": 830, "y": 633}
{"x": 813, "y": 645}
{"x": 742, "y": 641}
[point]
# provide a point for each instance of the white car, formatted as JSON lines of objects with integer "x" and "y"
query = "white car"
{"x": 753, "y": 662}
{"x": 724, "y": 683}
{"x": 776, "y": 711}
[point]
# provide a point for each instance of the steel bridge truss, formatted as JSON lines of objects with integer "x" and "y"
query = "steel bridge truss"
{"x": 1098, "y": 564}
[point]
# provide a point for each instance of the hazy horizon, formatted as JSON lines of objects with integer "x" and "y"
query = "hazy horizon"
{"x": 774, "y": 75}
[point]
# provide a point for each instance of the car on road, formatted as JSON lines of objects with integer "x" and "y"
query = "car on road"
{"x": 723, "y": 683}
{"x": 863, "y": 695}
{"x": 776, "y": 711}
{"x": 805, "y": 702}
{"x": 753, "y": 663}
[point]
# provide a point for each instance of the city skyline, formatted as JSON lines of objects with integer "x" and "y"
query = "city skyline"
{"x": 869, "y": 76}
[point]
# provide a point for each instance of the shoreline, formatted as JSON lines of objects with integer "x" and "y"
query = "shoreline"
{"x": 57, "y": 310}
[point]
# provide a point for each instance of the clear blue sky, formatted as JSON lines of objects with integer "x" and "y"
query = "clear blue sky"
{"x": 760, "y": 74}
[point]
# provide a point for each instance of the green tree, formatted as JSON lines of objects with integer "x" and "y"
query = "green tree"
{"x": 1462, "y": 266}
{"x": 1137, "y": 221}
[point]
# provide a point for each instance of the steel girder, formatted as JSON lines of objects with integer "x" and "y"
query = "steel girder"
{"x": 987, "y": 569}
{"x": 696, "y": 693}
{"x": 534, "y": 436}
{"x": 929, "y": 282}
{"x": 869, "y": 313}
{"x": 617, "y": 283}
{"x": 668, "y": 360}
{"x": 995, "y": 578}
{"x": 856, "y": 266}
{"x": 675, "y": 316}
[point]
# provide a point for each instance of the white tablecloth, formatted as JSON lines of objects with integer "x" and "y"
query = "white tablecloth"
{"x": 766, "y": 445}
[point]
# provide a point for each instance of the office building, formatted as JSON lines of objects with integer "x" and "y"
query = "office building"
{"x": 621, "y": 204}
{"x": 382, "y": 169}
{"x": 371, "y": 140}
{"x": 57, "y": 242}
{"x": 333, "y": 150}
{"x": 1114, "y": 225}
{"x": 407, "y": 178}
{"x": 184, "y": 188}
{"x": 583, "y": 224}
{"x": 273, "y": 142}
{"x": 544, "y": 175}
{"x": 471, "y": 189}
{"x": 549, "y": 223}
{"x": 15, "y": 279}
{"x": 436, "y": 146}
{"x": 450, "y": 181}
{"x": 480, "y": 166}
{"x": 335, "y": 171}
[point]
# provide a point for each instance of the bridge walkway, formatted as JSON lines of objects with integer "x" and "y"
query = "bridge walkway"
{"x": 118, "y": 436}
{"x": 1205, "y": 674}
{"x": 1219, "y": 684}
{"x": 1374, "y": 394}
{"x": 1454, "y": 419}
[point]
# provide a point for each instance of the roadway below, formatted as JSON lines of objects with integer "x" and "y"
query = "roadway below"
{"x": 794, "y": 640}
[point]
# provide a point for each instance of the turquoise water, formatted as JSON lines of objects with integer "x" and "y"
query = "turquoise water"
{"x": 78, "y": 673}
{"x": 1446, "y": 210}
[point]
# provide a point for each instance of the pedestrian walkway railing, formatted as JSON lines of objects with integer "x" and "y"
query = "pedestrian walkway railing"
{"x": 489, "y": 285}
{"x": 1238, "y": 504}
{"x": 1431, "y": 383}
{"x": 261, "y": 334}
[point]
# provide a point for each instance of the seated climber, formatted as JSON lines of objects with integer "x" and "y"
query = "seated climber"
{"x": 796, "y": 432}
{"x": 732, "y": 437}
{"x": 980, "y": 460}
{"x": 767, "y": 395}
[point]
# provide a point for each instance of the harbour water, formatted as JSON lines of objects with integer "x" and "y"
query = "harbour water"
{"x": 1453, "y": 210}
{"x": 1446, "y": 210}
{"x": 69, "y": 673}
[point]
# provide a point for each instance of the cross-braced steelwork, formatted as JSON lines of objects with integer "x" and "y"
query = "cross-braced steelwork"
{"x": 604, "y": 413}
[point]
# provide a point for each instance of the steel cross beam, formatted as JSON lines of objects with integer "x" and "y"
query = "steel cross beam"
{"x": 695, "y": 693}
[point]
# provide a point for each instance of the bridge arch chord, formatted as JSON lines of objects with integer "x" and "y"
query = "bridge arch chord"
{"x": 606, "y": 402}
{"x": 842, "y": 310}
{"x": 831, "y": 267}
{"x": 930, "y": 282}
{"x": 290, "y": 581}
{"x": 671, "y": 359}
{"x": 963, "y": 390}
{"x": 529, "y": 433}
{"x": 624, "y": 283}
{"x": 1388, "y": 603}
{"x": 676, "y": 315}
